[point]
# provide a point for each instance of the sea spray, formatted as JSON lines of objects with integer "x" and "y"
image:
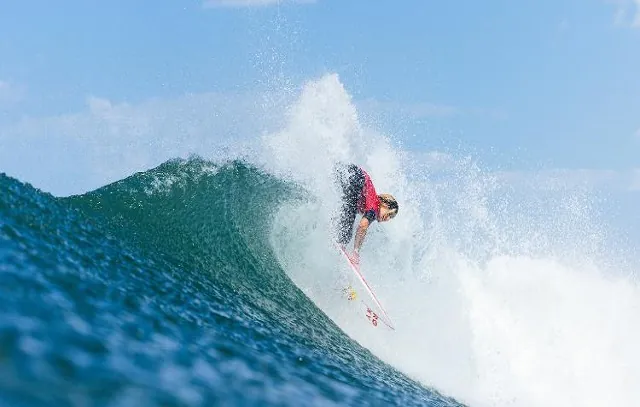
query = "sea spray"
{"x": 503, "y": 292}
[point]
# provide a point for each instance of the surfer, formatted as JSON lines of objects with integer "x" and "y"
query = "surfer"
{"x": 359, "y": 196}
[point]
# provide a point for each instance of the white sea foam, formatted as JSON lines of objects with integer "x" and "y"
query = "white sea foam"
{"x": 500, "y": 297}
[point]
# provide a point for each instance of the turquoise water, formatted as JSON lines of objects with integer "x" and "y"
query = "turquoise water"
{"x": 162, "y": 289}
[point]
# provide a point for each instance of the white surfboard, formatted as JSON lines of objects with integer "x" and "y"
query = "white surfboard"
{"x": 371, "y": 314}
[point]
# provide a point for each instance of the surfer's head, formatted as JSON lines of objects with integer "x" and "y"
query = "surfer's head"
{"x": 388, "y": 207}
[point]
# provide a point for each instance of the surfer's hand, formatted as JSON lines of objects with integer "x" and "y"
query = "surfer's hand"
{"x": 355, "y": 257}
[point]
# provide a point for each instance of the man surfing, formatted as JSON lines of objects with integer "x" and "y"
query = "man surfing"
{"x": 359, "y": 196}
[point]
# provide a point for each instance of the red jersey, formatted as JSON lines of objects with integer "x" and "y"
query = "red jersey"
{"x": 369, "y": 198}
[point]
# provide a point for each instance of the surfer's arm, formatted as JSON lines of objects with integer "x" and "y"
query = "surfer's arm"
{"x": 361, "y": 232}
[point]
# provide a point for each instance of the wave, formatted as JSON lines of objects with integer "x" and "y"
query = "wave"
{"x": 163, "y": 289}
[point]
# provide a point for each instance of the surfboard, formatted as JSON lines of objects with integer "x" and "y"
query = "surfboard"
{"x": 370, "y": 312}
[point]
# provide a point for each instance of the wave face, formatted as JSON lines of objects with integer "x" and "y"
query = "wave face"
{"x": 164, "y": 289}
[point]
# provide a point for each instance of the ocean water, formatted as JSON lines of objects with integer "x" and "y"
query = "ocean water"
{"x": 211, "y": 280}
{"x": 125, "y": 296}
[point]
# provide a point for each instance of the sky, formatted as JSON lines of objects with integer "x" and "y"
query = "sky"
{"x": 548, "y": 84}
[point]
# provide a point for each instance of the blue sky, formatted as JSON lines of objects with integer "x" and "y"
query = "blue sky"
{"x": 521, "y": 84}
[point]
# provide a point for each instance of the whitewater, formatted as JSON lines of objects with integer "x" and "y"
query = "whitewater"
{"x": 501, "y": 298}
{"x": 505, "y": 291}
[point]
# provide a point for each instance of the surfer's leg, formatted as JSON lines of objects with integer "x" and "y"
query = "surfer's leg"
{"x": 345, "y": 226}
{"x": 352, "y": 181}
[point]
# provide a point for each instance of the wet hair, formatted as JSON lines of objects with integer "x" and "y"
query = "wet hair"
{"x": 389, "y": 201}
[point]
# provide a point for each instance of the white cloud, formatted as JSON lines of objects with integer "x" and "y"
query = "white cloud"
{"x": 581, "y": 178}
{"x": 106, "y": 141}
{"x": 10, "y": 93}
{"x": 492, "y": 113}
{"x": 564, "y": 25}
{"x": 419, "y": 110}
{"x": 634, "y": 182}
{"x": 565, "y": 178}
{"x": 424, "y": 110}
{"x": 445, "y": 166}
{"x": 627, "y": 12}
{"x": 249, "y": 3}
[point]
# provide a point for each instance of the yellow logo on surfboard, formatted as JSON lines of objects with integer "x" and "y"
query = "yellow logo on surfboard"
{"x": 350, "y": 293}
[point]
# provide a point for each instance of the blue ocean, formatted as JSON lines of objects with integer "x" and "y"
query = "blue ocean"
{"x": 118, "y": 297}
{"x": 211, "y": 280}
